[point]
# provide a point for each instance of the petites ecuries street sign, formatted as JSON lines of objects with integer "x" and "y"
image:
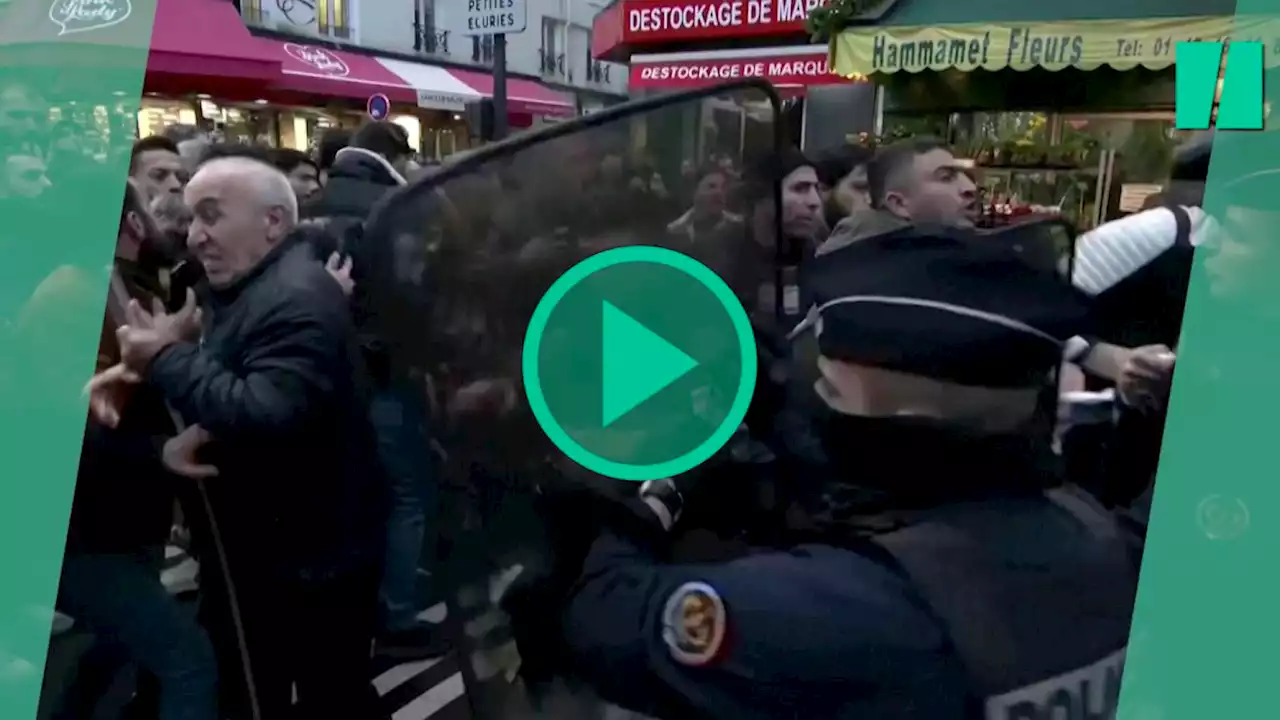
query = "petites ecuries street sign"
{"x": 490, "y": 17}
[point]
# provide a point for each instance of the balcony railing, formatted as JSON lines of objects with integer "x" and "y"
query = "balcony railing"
{"x": 482, "y": 49}
{"x": 552, "y": 63}
{"x": 430, "y": 40}
{"x": 598, "y": 72}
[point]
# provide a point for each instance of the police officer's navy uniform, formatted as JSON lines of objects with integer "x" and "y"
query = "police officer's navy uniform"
{"x": 969, "y": 586}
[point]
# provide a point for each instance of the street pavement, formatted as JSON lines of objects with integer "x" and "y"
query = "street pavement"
{"x": 430, "y": 689}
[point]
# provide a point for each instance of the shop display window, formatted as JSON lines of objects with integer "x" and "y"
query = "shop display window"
{"x": 249, "y": 125}
{"x": 156, "y": 115}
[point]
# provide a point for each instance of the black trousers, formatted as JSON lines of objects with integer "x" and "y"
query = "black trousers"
{"x": 314, "y": 636}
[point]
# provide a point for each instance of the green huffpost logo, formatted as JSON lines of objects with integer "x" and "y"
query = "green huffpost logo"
{"x": 1237, "y": 96}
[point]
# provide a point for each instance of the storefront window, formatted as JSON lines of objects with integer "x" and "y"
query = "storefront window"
{"x": 250, "y": 125}
{"x": 90, "y": 128}
{"x": 896, "y": 126}
{"x": 156, "y": 115}
{"x": 412, "y": 127}
{"x": 1144, "y": 143}
{"x": 301, "y": 129}
{"x": 443, "y": 134}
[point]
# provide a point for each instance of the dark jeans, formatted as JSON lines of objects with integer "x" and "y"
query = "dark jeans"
{"x": 400, "y": 421}
{"x": 315, "y": 635}
{"x": 120, "y": 598}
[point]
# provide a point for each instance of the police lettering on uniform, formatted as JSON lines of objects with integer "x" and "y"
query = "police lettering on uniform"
{"x": 949, "y": 573}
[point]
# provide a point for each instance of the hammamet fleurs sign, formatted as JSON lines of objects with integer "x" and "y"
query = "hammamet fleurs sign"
{"x": 1084, "y": 44}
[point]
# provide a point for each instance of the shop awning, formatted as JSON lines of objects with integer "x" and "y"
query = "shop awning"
{"x": 315, "y": 70}
{"x": 206, "y": 38}
{"x": 523, "y": 96}
{"x": 798, "y": 66}
{"x": 200, "y": 38}
{"x": 1081, "y": 44}
{"x": 437, "y": 88}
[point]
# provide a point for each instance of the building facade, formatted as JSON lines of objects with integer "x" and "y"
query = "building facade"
{"x": 555, "y": 47}
{"x": 673, "y": 45}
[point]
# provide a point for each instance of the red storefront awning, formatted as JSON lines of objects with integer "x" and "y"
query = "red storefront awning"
{"x": 795, "y": 67}
{"x": 523, "y": 96}
{"x": 313, "y": 70}
{"x": 206, "y": 38}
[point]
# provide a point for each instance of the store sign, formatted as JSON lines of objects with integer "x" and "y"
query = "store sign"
{"x": 436, "y": 100}
{"x": 663, "y": 20}
{"x": 678, "y": 70}
{"x": 319, "y": 59}
{"x": 75, "y": 16}
{"x": 1082, "y": 44}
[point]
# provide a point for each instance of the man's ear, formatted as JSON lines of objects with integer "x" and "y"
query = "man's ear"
{"x": 136, "y": 228}
{"x": 896, "y": 203}
{"x": 276, "y": 224}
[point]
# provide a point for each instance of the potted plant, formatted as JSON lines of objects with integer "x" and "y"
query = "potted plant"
{"x": 981, "y": 152}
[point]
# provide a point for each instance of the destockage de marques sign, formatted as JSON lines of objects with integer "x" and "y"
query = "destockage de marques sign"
{"x": 799, "y": 66}
{"x": 1083, "y": 44}
{"x": 665, "y": 20}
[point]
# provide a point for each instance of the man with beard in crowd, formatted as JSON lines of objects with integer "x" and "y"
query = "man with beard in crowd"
{"x": 272, "y": 394}
{"x": 120, "y": 520}
{"x": 843, "y": 172}
{"x": 157, "y": 167}
{"x": 801, "y": 225}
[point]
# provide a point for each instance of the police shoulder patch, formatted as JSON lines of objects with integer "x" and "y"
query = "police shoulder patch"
{"x": 694, "y": 623}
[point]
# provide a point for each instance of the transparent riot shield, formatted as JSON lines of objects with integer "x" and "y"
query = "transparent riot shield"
{"x": 450, "y": 271}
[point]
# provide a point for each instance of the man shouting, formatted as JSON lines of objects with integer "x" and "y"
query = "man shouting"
{"x": 273, "y": 405}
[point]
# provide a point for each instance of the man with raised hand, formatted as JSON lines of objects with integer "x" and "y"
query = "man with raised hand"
{"x": 273, "y": 400}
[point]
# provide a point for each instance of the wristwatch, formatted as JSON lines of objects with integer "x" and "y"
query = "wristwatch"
{"x": 665, "y": 493}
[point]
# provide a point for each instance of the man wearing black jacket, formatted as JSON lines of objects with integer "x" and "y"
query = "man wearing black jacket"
{"x": 272, "y": 396}
{"x": 371, "y": 166}
{"x": 362, "y": 174}
{"x": 120, "y": 519}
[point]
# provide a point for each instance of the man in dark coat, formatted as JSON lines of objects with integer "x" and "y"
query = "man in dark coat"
{"x": 271, "y": 391}
{"x": 120, "y": 519}
{"x": 374, "y": 163}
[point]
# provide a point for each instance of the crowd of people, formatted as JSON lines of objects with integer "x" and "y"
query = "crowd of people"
{"x": 303, "y": 355}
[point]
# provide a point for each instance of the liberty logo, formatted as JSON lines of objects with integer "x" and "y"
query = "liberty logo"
{"x": 318, "y": 58}
{"x": 73, "y": 16}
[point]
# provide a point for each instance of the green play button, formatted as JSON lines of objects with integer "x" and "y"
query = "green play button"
{"x": 635, "y": 362}
{"x": 639, "y": 363}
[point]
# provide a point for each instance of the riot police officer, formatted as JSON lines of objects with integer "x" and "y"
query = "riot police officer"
{"x": 950, "y": 574}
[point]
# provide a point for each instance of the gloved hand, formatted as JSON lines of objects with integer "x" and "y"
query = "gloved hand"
{"x": 574, "y": 506}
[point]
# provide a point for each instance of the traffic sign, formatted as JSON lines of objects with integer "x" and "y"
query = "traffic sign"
{"x": 639, "y": 363}
{"x": 378, "y": 106}
{"x": 495, "y": 17}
